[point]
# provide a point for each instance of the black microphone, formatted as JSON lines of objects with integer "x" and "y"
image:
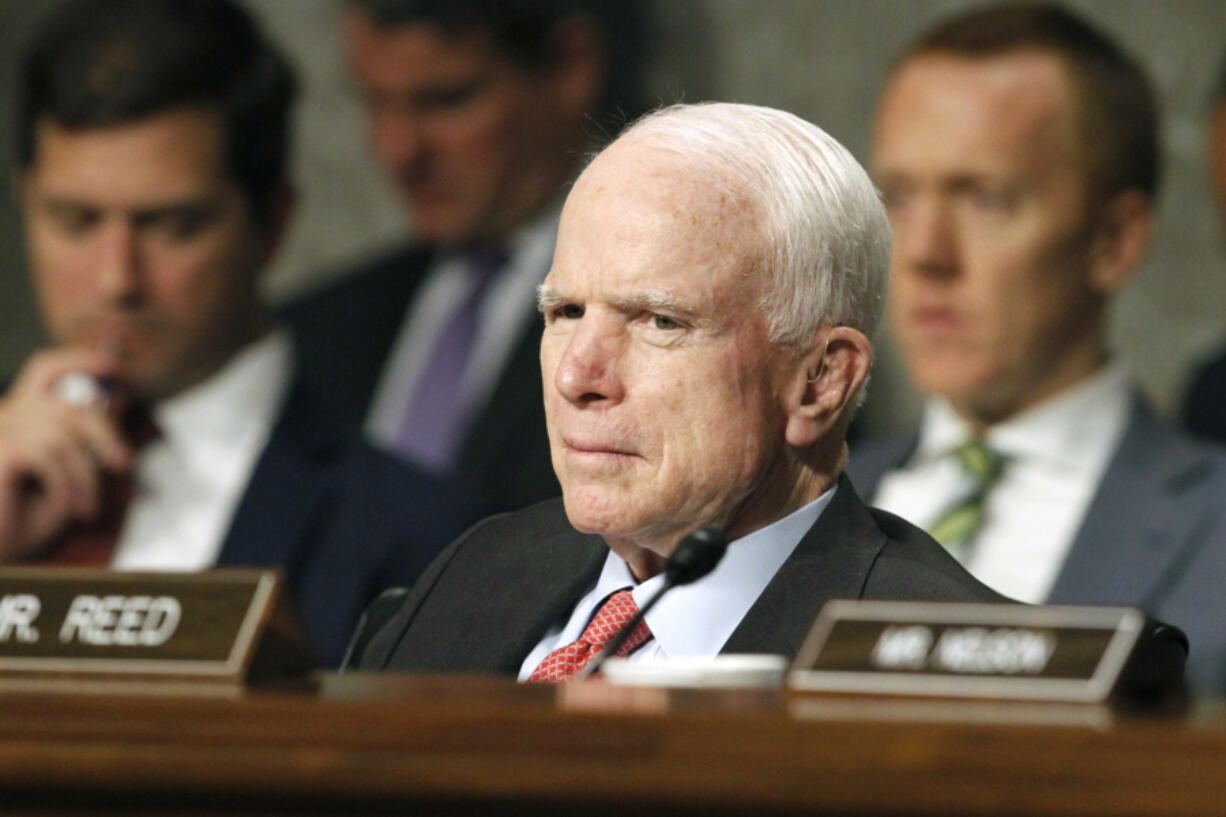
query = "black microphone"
{"x": 694, "y": 557}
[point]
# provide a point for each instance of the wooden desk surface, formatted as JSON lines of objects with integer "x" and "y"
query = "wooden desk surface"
{"x": 427, "y": 745}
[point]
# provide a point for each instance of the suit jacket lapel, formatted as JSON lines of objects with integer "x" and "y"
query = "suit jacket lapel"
{"x": 483, "y": 606}
{"x": 270, "y": 525}
{"x": 1146, "y": 512}
{"x": 833, "y": 560}
{"x": 571, "y": 563}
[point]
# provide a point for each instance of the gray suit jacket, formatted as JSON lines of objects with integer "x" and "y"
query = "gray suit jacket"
{"x": 1154, "y": 535}
{"x": 491, "y": 596}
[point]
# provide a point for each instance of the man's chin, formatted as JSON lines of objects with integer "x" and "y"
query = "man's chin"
{"x": 600, "y": 511}
{"x": 439, "y": 224}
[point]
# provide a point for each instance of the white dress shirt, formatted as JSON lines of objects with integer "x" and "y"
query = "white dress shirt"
{"x": 693, "y": 619}
{"x": 1056, "y": 453}
{"x": 190, "y": 480}
{"x": 506, "y": 309}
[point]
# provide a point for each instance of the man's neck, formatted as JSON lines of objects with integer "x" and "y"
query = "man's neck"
{"x": 991, "y": 407}
{"x": 251, "y": 332}
{"x": 775, "y": 498}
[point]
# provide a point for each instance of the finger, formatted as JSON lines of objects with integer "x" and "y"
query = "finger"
{"x": 12, "y": 510}
{"x": 98, "y": 434}
{"x": 44, "y": 500}
{"x": 44, "y": 369}
{"x": 82, "y": 475}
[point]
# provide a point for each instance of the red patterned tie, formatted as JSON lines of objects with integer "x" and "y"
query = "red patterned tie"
{"x": 564, "y": 662}
{"x": 93, "y": 544}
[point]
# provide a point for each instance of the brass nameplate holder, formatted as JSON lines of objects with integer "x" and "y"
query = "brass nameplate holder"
{"x": 999, "y": 651}
{"x": 220, "y": 625}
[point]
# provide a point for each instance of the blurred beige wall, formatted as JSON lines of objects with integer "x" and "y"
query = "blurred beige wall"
{"x": 823, "y": 59}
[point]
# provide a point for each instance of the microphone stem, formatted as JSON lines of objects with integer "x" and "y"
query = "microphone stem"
{"x": 624, "y": 633}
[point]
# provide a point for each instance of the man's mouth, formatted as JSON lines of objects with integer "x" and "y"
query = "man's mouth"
{"x": 937, "y": 319}
{"x": 583, "y": 446}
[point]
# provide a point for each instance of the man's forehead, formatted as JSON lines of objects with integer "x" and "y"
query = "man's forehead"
{"x": 1025, "y": 84}
{"x": 637, "y": 221}
{"x": 415, "y": 49}
{"x": 1007, "y": 104}
{"x": 161, "y": 161}
{"x": 645, "y": 185}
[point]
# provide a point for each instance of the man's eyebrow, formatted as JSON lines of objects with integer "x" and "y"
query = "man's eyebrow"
{"x": 654, "y": 301}
{"x": 547, "y": 298}
{"x": 186, "y": 206}
{"x": 55, "y": 203}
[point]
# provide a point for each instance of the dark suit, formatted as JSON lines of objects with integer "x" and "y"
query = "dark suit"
{"x": 530, "y": 568}
{"x": 344, "y": 335}
{"x": 1154, "y": 535}
{"x": 343, "y": 520}
{"x": 1204, "y": 411}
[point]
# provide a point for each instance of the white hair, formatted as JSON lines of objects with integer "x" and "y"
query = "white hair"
{"x": 825, "y": 233}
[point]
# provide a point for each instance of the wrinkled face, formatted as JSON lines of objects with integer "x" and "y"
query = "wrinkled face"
{"x": 475, "y": 143}
{"x": 140, "y": 243}
{"x": 992, "y": 296}
{"x": 662, "y": 392}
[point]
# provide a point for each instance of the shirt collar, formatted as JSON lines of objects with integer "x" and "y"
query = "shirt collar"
{"x": 255, "y": 378}
{"x": 1079, "y": 427}
{"x": 697, "y": 619}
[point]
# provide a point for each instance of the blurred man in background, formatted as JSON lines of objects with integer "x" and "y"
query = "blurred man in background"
{"x": 1205, "y": 408}
{"x": 165, "y": 428}
{"x": 481, "y": 112}
{"x": 1016, "y": 148}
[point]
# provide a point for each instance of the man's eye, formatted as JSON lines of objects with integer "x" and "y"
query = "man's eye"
{"x": 894, "y": 198}
{"x": 74, "y": 221}
{"x": 570, "y": 311}
{"x": 664, "y": 322}
{"x": 445, "y": 100}
{"x": 992, "y": 200}
{"x": 177, "y": 225}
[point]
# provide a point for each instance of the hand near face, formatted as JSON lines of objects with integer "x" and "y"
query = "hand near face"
{"x": 53, "y": 454}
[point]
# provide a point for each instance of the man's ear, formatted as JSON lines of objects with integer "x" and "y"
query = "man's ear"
{"x": 282, "y": 205}
{"x": 825, "y": 384}
{"x": 1124, "y": 229}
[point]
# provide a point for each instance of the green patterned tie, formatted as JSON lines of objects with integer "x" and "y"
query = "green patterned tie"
{"x": 957, "y": 525}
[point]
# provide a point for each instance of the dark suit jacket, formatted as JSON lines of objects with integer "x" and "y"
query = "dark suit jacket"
{"x": 1204, "y": 410}
{"x": 1154, "y": 535}
{"x": 343, "y": 520}
{"x": 343, "y": 336}
{"x": 528, "y": 570}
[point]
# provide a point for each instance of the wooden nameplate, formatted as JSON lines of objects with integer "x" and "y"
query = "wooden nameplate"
{"x": 998, "y": 651}
{"x": 230, "y": 626}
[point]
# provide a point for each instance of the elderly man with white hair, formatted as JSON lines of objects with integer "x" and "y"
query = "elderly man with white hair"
{"x": 718, "y": 270}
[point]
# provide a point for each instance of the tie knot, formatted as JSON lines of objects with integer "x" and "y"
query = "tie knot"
{"x": 137, "y": 425}
{"x": 957, "y": 526}
{"x": 984, "y": 464}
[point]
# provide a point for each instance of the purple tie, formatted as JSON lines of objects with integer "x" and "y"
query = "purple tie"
{"x": 434, "y": 421}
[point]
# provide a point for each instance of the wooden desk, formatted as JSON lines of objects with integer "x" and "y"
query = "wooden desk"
{"x": 400, "y": 745}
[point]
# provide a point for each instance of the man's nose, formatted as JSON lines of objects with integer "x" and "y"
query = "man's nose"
{"x": 588, "y": 373}
{"x": 119, "y": 263}
{"x": 927, "y": 239}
